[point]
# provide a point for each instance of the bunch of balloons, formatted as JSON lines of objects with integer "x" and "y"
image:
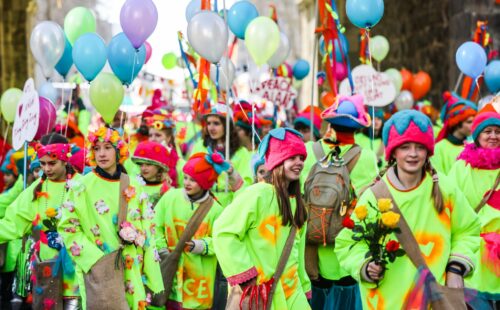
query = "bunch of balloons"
{"x": 411, "y": 86}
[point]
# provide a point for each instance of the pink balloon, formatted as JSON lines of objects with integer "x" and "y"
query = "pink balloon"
{"x": 138, "y": 19}
{"x": 47, "y": 117}
{"x": 340, "y": 71}
{"x": 149, "y": 50}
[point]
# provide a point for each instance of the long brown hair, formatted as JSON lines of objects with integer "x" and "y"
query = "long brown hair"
{"x": 234, "y": 140}
{"x": 284, "y": 194}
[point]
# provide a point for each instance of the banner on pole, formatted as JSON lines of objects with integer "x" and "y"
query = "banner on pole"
{"x": 26, "y": 121}
{"x": 278, "y": 90}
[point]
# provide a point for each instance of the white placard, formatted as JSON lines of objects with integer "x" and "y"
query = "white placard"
{"x": 278, "y": 90}
{"x": 26, "y": 121}
{"x": 376, "y": 87}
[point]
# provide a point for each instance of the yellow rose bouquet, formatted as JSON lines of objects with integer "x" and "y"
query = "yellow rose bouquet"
{"x": 375, "y": 231}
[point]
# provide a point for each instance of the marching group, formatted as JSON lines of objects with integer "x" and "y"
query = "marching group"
{"x": 179, "y": 226}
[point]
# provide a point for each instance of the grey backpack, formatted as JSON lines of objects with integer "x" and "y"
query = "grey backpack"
{"x": 329, "y": 193}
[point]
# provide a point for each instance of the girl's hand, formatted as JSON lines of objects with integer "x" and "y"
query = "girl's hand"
{"x": 375, "y": 271}
{"x": 189, "y": 246}
{"x": 454, "y": 280}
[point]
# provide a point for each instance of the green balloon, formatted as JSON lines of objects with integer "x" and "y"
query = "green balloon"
{"x": 78, "y": 21}
{"x": 169, "y": 61}
{"x": 262, "y": 38}
{"x": 106, "y": 94}
{"x": 9, "y": 102}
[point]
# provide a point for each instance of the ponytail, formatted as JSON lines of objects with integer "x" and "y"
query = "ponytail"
{"x": 38, "y": 188}
{"x": 437, "y": 195}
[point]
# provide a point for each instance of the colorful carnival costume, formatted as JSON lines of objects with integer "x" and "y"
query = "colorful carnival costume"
{"x": 89, "y": 225}
{"x": 193, "y": 286}
{"x": 475, "y": 173}
{"x": 455, "y": 111}
{"x": 449, "y": 236}
{"x": 335, "y": 286}
{"x": 37, "y": 210}
{"x": 249, "y": 235}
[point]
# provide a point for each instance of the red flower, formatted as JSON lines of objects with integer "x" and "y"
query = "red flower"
{"x": 348, "y": 223}
{"x": 47, "y": 272}
{"x": 392, "y": 246}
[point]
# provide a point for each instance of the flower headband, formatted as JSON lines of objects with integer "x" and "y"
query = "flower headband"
{"x": 110, "y": 135}
{"x": 60, "y": 151}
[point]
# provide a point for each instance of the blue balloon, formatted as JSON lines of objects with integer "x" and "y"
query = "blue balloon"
{"x": 89, "y": 55}
{"x": 124, "y": 59}
{"x": 301, "y": 69}
{"x": 66, "y": 60}
{"x": 492, "y": 76}
{"x": 471, "y": 59}
{"x": 240, "y": 15}
{"x": 48, "y": 91}
{"x": 365, "y": 13}
{"x": 192, "y": 8}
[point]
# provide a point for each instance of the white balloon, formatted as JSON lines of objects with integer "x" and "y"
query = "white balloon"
{"x": 404, "y": 101}
{"x": 47, "y": 45}
{"x": 281, "y": 53}
{"x": 208, "y": 35}
{"x": 48, "y": 91}
{"x": 223, "y": 80}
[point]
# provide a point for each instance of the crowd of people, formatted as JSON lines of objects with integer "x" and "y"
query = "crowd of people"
{"x": 161, "y": 219}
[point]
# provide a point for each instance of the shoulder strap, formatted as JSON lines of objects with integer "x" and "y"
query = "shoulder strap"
{"x": 318, "y": 150}
{"x": 281, "y": 264}
{"x": 488, "y": 194}
{"x": 405, "y": 237}
{"x": 123, "y": 204}
{"x": 351, "y": 157}
{"x": 189, "y": 231}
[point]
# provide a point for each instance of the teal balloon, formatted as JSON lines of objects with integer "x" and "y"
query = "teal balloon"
{"x": 66, "y": 61}
{"x": 492, "y": 76}
{"x": 124, "y": 59}
{"x": 89, "y": 55}
{"x": 301, "y": 69}
{"x": 365, "y": 13}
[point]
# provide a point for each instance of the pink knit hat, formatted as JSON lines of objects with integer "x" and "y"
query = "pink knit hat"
{"x": 281, "y": 144}
{"x": 152, "y": 153}
{"x": 304, "y": 117}
{"x": 205, "y": 168}
{"x": 407, "y": 126}
{"x": 488, "y": 116}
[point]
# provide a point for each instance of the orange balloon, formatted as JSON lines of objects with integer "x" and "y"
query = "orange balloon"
{"x": 421, "y": 85}
{"x": 327, "y": 99}
{"x": 407, "y": 78}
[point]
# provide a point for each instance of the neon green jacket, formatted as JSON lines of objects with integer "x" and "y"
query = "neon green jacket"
{"x": 445, "y": 155}
{"x": 249, "y": 238}
{"x": 193, "y": 287}
{"x": 89, "y": 228}
{"x": 474, "y": 183}
{"x": 452, "y": 235}
{"x": 362, "y": 175}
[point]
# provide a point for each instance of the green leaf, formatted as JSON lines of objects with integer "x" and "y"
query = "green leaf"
{"x": 356, "y": 238}
{"x": 400, "y": 252}
{"x": 358, "y": 228}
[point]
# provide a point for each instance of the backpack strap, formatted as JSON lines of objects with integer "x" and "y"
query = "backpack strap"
{"x": 351, "y": 157}
{"x": 488, "y": 194}
{"x": 319, "y": 153}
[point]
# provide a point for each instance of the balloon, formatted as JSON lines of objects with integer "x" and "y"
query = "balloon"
{"x": 149, "y": 51}
{"x": 9, "y": 102}
{"x": 223, "y": 80}
{"x": 89, "y": 55}
{"x": 327, "y": 99}
{"x": 208, "y": 35}
{"x": 340, "y": 71}
{"x": 47, "y": 45}
{"x": 124, "y": 59}
{"x": 301, "y": 69}
{"x": 471, "y": 59}
{"x": 492, "y": 76}
{"x": 77, "y": 22}
{"x": 46, "y": 118}
{"x": 365, "y": 13}
{"x": 193, "y": 7}
{"x": 48, "y": 91}
{"x": 262, "y": 39}
{"x": 282, "y": 53}
{"x": 106, "y": 94}
{"x": 404, "y": 101}
{"x": 407, "y": 78}
{"x": 421, "y": 85}
{"x": 285, "y": 70}
{"x": 138, "y": 19}
{"x": 379, "y": 47}
{"x": 240, "y": 15}
{"x": 169, "y": 60}
{"x": 66, "y": 61}
{"x": 395, "y": 77}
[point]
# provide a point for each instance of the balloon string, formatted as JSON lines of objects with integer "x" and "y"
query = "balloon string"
{"x": 372, "y": 136}
{"x": 460, "y": 77}
{"x": 133, "y": 66}
{"x": 62, "y": 104}
{"x": 254, "y": 131}
{"x": 471, "y": 91}
{"x": 69, "y": 111}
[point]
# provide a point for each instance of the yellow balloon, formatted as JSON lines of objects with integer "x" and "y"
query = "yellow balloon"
{"x": 9, "y": 102}
{"x": 262, "y": 38}
{"x": 106, "y": 94}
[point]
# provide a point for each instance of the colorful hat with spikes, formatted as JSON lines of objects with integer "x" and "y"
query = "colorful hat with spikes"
{"x": 281, "y": 144}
